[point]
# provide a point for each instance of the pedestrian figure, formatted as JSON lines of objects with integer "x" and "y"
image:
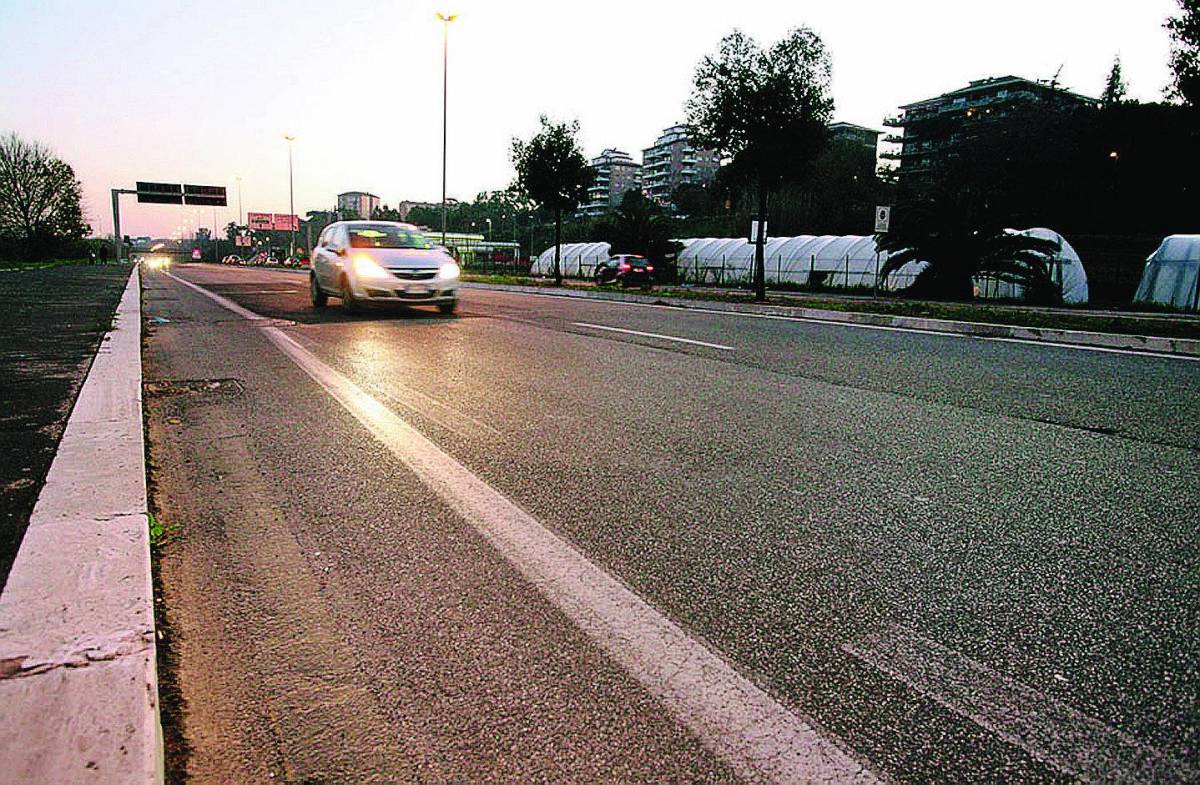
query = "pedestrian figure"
{"x": 104, "y": 254}
{"x": 92, "y": 256}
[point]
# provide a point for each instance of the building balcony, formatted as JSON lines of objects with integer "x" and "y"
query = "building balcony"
{"x": 895, "y": 121}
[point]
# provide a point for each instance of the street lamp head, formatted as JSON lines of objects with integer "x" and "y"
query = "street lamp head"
{"x": 289, "y": 137}
{"x": 1114, "y": 155}
{"x": 446, "y": 17}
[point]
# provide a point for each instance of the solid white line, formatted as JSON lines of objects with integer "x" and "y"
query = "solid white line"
{"x": 1046, "y": 728}
{"x": 832, "y": 323}
{"x": 754, "y": 734}
{"x": 653, "y": 335}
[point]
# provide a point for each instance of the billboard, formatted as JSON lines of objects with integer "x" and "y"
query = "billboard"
{"x": 286, "y": 223}
{"x": 259, "y": 221}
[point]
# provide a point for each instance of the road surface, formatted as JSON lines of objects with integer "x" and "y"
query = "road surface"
{"x": 570, "y": 540}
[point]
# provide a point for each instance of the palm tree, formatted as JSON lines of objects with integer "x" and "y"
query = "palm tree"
{"x": 959, "y": 242}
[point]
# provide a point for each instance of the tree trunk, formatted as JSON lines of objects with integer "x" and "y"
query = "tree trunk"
{"x": 557, "y": 246}
{"x": 760, "y": 263}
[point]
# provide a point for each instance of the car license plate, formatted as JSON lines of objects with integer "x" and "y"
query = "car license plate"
{"x": 417, "y": 289}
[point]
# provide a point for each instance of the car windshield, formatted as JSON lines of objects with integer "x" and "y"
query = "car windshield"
{"x": 387, "y": 236}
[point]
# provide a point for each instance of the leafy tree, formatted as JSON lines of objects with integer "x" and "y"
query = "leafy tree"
{"x": 765, "y": 110}
{"x": 1115, "y": 89}
{"x": 638, "y": 226}
{"x": 960, "y": 239}
{"x": 1185, "y": 53}
{"x": 553, "y": 173}
{"x": 40, "y": 198}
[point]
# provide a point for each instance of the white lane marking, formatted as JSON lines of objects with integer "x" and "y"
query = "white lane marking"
{"x": 754, "y": 734}
{"x": 1047, "y": 729}
{"x": 653, "y": 335}
{"x": 831, "y": 323}
{"x": 1108, "y": 349}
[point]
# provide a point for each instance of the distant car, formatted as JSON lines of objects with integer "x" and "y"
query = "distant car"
{"x": 626, "y": 269}
{"x": 232, "y": 259}
{"x": 381, "y": 262}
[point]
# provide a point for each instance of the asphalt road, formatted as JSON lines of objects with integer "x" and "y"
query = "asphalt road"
{"x": 956, "y": 559}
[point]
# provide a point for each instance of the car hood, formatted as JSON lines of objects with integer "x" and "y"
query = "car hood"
{"x": 430, "y": 258}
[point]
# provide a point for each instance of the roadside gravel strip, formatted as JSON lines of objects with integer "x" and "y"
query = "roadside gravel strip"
{"x": 78, "y": 686}
{"x": 1181, "y": 348}
{"x": 754, "y": 734}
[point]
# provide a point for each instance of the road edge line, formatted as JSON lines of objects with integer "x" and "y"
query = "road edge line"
{"x": 78, "y": 668}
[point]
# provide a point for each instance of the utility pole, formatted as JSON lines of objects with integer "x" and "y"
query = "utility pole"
{"x": 446, "y": 20}
{"x": 239, "y": 185}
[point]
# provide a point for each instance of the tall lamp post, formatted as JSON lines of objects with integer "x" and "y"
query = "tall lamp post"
{"x": 239, "y": 185}
{"x": 446, "y": 19}
{"x": 291, "y": 202}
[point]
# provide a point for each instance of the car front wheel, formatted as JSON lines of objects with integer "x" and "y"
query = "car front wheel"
{"x": 349, "y": 301}
{"x": 447, "y": 306}
{"x": 319, "y": 298}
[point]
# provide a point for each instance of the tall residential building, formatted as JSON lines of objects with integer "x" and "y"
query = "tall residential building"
{"x": 935, "y": 128}
{"x": 361, "y": 203}
{"x": 673, "y": 161}
{"x": 868, "y": 138}
{"x": 616, "y": 174}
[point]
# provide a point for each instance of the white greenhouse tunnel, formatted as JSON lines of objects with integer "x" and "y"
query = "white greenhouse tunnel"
{"x": 835, "y": 261}
{"x": 1172, "y": 274}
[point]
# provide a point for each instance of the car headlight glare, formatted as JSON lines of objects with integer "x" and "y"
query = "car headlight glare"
{"x": 449, "y": 270}
{"x": 366, "y": 267}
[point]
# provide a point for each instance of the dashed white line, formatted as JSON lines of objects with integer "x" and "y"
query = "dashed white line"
{"x": 755, "y": 735}
{"x": 659, "y": 336}
{"x": 856, "y": 326}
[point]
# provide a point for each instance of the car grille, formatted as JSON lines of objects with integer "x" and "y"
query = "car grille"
{"x": 414, "y": 275}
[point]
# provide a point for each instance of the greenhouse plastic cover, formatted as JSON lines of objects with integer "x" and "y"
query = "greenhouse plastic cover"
{"x": 834, "y": 260}
{"x": 1172, "y": 273}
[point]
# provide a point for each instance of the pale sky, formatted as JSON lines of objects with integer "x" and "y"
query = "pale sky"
{"x": 203, "y": 92}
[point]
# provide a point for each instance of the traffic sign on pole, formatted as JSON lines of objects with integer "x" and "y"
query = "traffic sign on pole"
{"x": 883, "y": 218}
{"x": 160, "y": 193}
{"x": 209, "y": 195}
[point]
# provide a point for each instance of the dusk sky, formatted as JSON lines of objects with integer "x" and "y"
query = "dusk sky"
{"x": 203, "y": 92}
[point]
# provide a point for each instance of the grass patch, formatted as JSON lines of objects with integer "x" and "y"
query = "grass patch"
{"x": 157, "y": 532}
{"x": 9, "y": 266}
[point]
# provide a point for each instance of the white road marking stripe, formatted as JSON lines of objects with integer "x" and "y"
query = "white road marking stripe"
{"x": 754, "y": 734}
{"x": 1048, "y": 729}
{"x": 888, "y": 328}
{"x": 653, "y": 335}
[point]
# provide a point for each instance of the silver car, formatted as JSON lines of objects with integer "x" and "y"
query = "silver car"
{"x": 381, "y": 262}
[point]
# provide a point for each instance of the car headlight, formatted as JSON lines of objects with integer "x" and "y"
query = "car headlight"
{"x": 366, "y": 267}
{"x": 449, "y": 270}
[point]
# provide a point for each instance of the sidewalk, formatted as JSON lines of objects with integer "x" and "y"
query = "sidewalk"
{"x": 78, "y": 686}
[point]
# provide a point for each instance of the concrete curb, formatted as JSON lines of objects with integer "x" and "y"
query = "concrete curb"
{"x": 78, "y": 682}
{"x": 1185, "y": 347}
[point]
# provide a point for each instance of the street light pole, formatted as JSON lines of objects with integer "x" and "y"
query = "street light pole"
{"x": 291, "y": 202}
{"x": 239, "y": 185}
{"x": 446, "y": 19}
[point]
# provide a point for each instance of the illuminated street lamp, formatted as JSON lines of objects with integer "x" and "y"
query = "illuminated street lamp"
{"x": 445, "y": 19}
{"x": 291, "y": 201}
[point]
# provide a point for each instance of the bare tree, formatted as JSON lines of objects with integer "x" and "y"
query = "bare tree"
{"x": 39, "y": 194}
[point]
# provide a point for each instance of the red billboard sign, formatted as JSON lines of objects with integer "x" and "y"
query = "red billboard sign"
{"x": 260, "y": 221}
{"x": 286, "y": 223}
